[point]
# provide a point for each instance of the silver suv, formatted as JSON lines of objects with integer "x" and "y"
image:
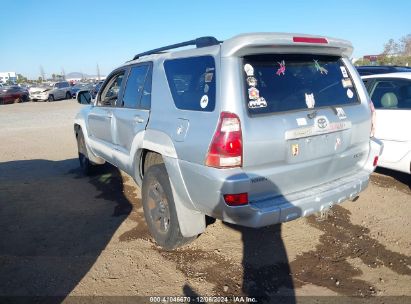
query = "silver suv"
{"x": 259, "y": 129}
{"x": 50, "y": 91}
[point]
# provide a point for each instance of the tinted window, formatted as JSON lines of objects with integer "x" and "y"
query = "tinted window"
{"x": 111, "y": 90}
{"x": 391, "y": 94}
{"x": 277, "y": 83}
{"x": 134, "y": 86}
{"x": 192, "y": 82}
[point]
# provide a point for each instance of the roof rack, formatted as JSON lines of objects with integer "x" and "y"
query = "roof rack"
{"x": 198, "y": 42}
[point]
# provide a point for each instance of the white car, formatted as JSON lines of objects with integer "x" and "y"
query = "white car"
{"x": 391, "y": 95}
{"x": 50, "y": 91}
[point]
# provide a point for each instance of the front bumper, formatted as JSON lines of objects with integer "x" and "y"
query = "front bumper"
{"x": 38, "y": 97}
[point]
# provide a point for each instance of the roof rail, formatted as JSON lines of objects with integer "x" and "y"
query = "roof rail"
{"x": 198, "y": 42}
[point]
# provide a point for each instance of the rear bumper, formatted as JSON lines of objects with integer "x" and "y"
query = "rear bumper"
{"x": 206, "y": 186}
{"x": 286, "y": 208}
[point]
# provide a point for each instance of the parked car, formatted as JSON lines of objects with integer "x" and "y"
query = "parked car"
{"x": 391, "y": 95}
{"x": 96, "y": 87}
{"x": 13, "y": 94}
{"x": 381, "y": 69}
{"x": 79, "y": 86}
{"x": 51, "y": 91}
{"x": 256, "y": 130}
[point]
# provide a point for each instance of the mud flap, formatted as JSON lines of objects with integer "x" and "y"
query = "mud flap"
{"x": 191, "y": 221}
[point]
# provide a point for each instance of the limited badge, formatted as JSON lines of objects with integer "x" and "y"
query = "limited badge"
{"x": 350, "y": 93}
{"x": 209, "y": 77}
{"x": 309, "y": 100}
{"x": 249, "y": 70}
{"x": 319, "y": 68}
{"x": 301, "y": 121}
{"x": 281, "y": 69}
{"x": 253, "y": 93}
{"x": 340, "y": 113}
{"x": 344, "y": 72}
{"x": 346, "y": 83}
{"x": 204, "y": 102}
{"x": 295, "y": 150}
{"x": 206, "y": 88}
{"x": 259, "y": 103}
{"x": 252, "y": 81}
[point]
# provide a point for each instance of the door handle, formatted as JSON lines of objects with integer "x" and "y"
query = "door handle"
{"x": 138, "y": 119}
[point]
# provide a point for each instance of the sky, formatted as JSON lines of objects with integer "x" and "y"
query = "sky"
{"x": 75, "y": 35}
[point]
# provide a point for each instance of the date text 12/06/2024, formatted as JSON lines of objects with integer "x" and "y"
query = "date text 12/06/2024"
{"x": 203, "y": 299}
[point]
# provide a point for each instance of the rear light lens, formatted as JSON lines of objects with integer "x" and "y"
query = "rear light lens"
{"x": 236, "y": 199}
{"x": 309, "y": 40}
{"x": 373, "y": 116}
{"x": 375, "y": 162}
{"x": 226, "y": 148}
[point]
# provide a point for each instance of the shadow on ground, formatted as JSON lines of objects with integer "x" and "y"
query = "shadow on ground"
{"x": 387, "y": 178}
{"x": 54, "y": 224}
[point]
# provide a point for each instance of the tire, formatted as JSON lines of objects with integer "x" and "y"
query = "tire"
{"x": 68, "y": 95}
{"x": 159, "y": 209}
{"x": 50, "y": 98}
{"x": 85, "y": 163}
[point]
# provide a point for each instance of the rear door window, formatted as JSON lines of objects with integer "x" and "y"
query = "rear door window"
{"x": 391, "y": 93}
{"x": 279, "y": 83}
{"x": 135, "y": 86}
{"x": 192, "y": 82}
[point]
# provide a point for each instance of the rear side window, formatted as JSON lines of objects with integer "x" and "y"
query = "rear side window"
{"x": 278, "y": 83}
{"x": 135, "y": 86}
{"x": 391, "y": 94}
{"x": 192, "y": 82}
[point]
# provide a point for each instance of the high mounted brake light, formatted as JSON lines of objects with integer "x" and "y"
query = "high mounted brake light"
{"x": 310, "y": 40}
{"x": 226, "y": 148}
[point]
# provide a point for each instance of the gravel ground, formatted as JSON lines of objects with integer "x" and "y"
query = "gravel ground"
{"x": 64, "y": 234}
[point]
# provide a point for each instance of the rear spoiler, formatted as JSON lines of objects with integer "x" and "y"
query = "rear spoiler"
{"x": 266, "y": 43}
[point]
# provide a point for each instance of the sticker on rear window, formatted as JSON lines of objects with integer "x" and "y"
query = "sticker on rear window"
{"x": 309, "y": 100}
{"x": 341, "y": 113}
{"x": 252, "y": 81}
{"x": 249, "y": 70}
{"x": 253, "y": 93}
{"x": 206, "y": 88}
{"x": 208, "y": 77}
{"x": 344, "y": 72}
{"x": 319, "y": 68}
{"x": 281, "y": 69}
{"x": 350, "y": 93}
{"x": 204, "y": 102}
{"x": 259, "y": 103}
{"x": 346, "y": 83}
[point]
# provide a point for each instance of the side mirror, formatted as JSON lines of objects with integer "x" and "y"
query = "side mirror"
{"x": 83, "y": 97}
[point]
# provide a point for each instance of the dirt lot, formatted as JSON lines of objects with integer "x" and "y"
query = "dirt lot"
{"x": 65, "y": 234}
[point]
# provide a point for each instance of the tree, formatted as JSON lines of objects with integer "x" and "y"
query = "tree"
{"x": 391, "y": 47}
{"x": 405, "y": 45}
{"x": 21, "y": 78}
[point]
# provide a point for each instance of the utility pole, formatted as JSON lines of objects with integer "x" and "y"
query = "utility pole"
{"x": 43, "y": 75}
{"x": 98, "y": 72}
{"x": 63, "y": 73}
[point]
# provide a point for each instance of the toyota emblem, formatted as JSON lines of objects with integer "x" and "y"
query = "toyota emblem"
{"x": 322, "y": 123}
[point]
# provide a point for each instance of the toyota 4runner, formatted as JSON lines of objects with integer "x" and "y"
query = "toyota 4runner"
{"x": 259, "y": 129}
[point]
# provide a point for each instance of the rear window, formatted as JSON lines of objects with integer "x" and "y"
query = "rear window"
{"x": 192, "y": 82}
{"x": 392, "y": 93}
{"x": 278, "y": 83}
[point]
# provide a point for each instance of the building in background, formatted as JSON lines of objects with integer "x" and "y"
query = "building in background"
{"x": 8, "y": 77}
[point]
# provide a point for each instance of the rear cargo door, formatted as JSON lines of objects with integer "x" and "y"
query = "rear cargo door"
{"x": 306, "y": 124}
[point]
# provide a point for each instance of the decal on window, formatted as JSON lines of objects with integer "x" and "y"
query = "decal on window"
{"x": 249, "y": 70}
{"x": 344, "y": 72}
{"x": 253, "y": 93}
{"x": 309, "y": 100}
{"x": 204, "y": 102}
{"x": 319, "y": 68}
{"x": 281, "y": 69}
{"x": 259, "y": 103}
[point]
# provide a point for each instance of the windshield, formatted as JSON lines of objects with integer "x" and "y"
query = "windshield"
{"x": 277, "y": 83}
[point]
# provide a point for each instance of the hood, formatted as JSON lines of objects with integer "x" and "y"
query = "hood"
{"x": 39, "y": 89}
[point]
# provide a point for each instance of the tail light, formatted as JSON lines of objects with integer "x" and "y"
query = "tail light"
{"x": 373, "y": 114}
{"x": 226, "y": 148}
{"x": 375, "y": 162}
{"x": 236, "y": 199}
